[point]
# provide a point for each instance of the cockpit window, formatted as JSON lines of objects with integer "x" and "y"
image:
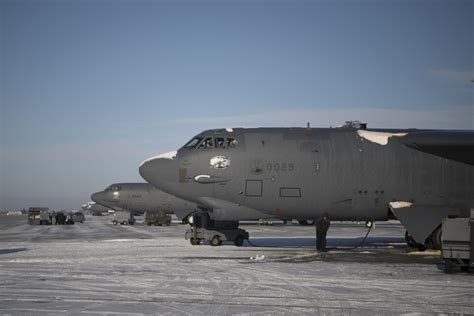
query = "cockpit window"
{"x": 207, "y": 143}
{"x": 220, "y": 142}
{"x": 193, "y": 142}
{"x": 113, "y": 188}
{"x": 211, "y": 142}
{"x": 232, "y": 143}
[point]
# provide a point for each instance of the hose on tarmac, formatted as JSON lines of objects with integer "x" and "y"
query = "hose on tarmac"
{"x": 355, "y": 247}
{"x": 363, "y": 240}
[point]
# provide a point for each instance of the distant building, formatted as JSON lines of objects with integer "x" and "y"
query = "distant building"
{"x": 15, "y": 213}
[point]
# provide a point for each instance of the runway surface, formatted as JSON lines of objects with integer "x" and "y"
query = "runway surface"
{"x": 99, "y": 268}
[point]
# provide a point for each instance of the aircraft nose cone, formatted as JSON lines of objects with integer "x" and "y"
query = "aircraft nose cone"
{"x": 159, "y": 172}
{"x": 146, "y": 170}
{"x": 97, "y": 197}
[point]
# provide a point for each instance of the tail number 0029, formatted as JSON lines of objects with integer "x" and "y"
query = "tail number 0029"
{"x": 283, "y": 166}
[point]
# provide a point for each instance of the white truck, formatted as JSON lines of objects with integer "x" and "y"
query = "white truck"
{"x": 458, "y": 243}
{"x": 123, "y": 218}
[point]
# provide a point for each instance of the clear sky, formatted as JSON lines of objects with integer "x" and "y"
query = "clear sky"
{"x": 89, "y": 89}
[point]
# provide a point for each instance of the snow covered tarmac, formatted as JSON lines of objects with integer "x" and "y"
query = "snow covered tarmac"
{"x": 98, "y": 268}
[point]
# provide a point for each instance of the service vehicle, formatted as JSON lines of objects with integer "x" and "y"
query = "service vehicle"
{"x": 204, "y": 228}
{"x": 157, "y": 218}
{"x": 123, "y": 218}
{"x": 78, "y": 217}
{"x": 458, "y": 243}
{"x": 38, "y": 216}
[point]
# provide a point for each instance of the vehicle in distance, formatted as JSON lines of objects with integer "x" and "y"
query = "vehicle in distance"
{"x": 39, "y": 216}
{"x": 157, "y": 218}
{"x": 78, "y": 217}
{"x": 123, "y": 218}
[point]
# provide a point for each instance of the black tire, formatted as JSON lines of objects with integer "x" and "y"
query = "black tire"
{"x": 465, "y": 269}
{"x": 215, "y": 241}
{"x": 436, "y": 239}
{"x": 303, "y": 222}
{"x": 412, "y": 243}
{"x": 114, "y": 222}
{"x": 239, "y": 240}
{"x": 448, "y": 266}
{"x": 194, "y": 241}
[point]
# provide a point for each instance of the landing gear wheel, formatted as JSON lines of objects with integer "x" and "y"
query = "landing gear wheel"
{"x": 215, "y": 241}
{"x": 239, "y": 241}
{"x": 436, "y": 239}
{"x": 194, "y": 241}
{"x": 411, "y": 242}
{"x": 448, "y": 266}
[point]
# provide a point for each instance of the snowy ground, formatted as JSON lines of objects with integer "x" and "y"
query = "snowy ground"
{"x": 98, "y": 268}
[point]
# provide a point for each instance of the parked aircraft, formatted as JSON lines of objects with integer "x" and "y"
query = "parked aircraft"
{"x": 352, "y": 173}
{"x": 95, "y": 209}
{"x": 141, "y": 197}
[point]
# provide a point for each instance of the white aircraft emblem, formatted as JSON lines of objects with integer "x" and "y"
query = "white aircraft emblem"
{"x": 219, "y": 162}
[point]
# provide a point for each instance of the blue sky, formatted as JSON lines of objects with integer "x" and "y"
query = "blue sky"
{"x": 89, "y": 89}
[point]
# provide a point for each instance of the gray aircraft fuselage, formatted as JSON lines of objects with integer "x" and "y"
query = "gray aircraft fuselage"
{"x": 142, "y": 197}
{"x": 95, "y": 208}
{"x": 352, "y": 174}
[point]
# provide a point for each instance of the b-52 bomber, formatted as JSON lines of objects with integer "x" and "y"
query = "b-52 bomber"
{"x": 95, "y": 208}
{"x": 351, "y": 173}
{"x": 138, "y": 198}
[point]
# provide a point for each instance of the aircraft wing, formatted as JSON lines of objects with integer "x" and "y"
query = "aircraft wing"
{"x": 453, "y": 145}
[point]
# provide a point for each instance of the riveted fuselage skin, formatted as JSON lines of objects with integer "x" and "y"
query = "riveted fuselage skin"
{"x": 303, "y": 173}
